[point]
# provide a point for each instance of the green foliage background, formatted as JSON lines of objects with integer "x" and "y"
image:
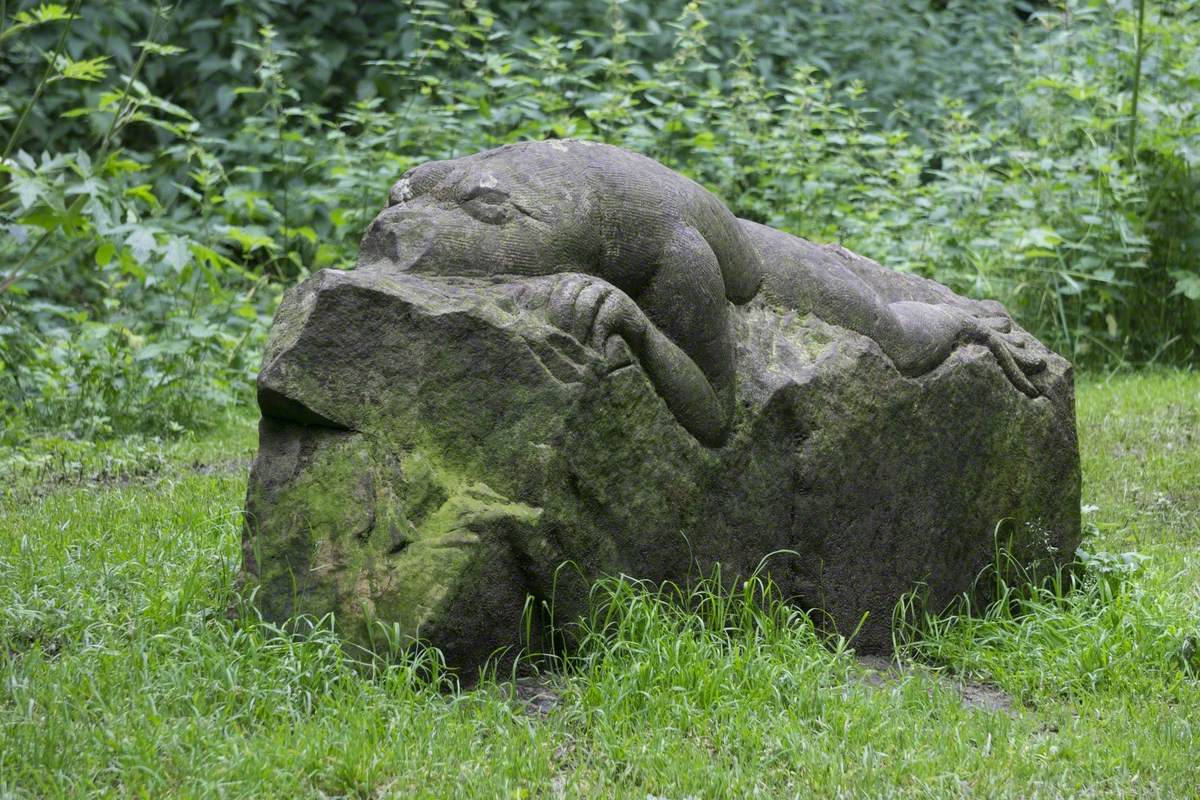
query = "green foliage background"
{"x": 168, "y": 170}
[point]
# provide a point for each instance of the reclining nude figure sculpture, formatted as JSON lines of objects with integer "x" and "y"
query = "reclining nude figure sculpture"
{"x": 653, "y": 258}
{"x": 564, "y": 352}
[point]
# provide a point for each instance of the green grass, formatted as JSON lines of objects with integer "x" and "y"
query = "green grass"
{"x": 120, "y": 675}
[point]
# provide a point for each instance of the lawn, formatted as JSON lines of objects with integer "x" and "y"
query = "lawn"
{"x": 122, "y": 675}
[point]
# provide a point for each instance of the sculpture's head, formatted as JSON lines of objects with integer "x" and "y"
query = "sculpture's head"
{"x": 473, "y": 215}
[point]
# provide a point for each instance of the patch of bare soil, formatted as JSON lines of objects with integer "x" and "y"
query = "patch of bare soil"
{"x": 536, "y": 694}
{"x": 879, "y": 670}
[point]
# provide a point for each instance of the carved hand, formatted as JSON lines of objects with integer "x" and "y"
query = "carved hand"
{"x": 604, "y": 318}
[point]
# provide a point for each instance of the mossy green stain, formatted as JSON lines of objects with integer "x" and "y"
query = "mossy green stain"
{"x": 328, "y": 539}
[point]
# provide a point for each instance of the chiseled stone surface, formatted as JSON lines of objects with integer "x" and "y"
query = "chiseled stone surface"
{"x": 473, "y": 417}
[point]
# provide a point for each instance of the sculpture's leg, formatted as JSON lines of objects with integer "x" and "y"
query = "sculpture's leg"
{"x": 917, "y": 336}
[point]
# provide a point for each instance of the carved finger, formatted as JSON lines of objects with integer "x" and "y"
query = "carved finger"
{"x": 1014, "y": 372}
{"x": 606, "y": 322}
{"x": 992, "y": 308}
{"x": 530, "y": 295}
{"x": 1022, "y": 339}
{"x": 617, "y": 353}
{"x": 587, "y": 306}
{"x": 1031, "y": 363}
{"x": 561, "y": 310}
{"x": 618, "y": 329}
{"x": 1026, "y": 351}
{"x": 1016, "y": 338}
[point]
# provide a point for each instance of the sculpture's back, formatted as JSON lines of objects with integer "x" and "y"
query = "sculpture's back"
{"x": 439, "y": 441}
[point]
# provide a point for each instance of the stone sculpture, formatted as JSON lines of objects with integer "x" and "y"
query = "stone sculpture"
{"x": 562, "y": 353}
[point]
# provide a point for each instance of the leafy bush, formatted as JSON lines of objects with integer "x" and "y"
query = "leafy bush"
{"x": 1106, "y": 265}
{"x": 166, "y": 173}
{"x": 122, "y": 310}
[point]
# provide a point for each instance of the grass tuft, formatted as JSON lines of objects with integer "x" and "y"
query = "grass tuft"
{"x": 121, "y": 675}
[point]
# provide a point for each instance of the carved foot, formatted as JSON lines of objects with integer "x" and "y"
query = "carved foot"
{"x": 1013, "y": 349}
{"x": 925, "y": 334}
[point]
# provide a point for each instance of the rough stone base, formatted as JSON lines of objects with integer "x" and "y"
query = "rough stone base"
{"x": 433, "y": 452}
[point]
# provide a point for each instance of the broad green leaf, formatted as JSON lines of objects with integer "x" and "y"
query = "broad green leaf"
{"x": 169, "y": 347}
{"x": 28, "y": 190}
{"x": 141, "y": 244}
{"x": 105, "y": 253}
{"x": 307, "y": 233}
{"x": 1187, "y": 284}
{"x": 90, "y": 69}
{"x": 177, "y": 255}
{"x": 115, "y": 165}
{"x": 160, "y": 49}
{"x": 46, "y": 12}
{"x": 43, "y": 217}
{"x": 250, "y": 241}
{"x": 145, "y": 193}
{"x": 1039, "y": 238}
{"x": 91, "y": 187}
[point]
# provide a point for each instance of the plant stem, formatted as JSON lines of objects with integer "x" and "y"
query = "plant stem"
{"x": 12, "y": 276}
{"x": 137, "y": 68}
{"x": 1137, "y": 81}
{"x": 50, "y": 67}
{"x": 281, "y": 155}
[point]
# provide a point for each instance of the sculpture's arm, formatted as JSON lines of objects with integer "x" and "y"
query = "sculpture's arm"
{"x": 600, "y": 315}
